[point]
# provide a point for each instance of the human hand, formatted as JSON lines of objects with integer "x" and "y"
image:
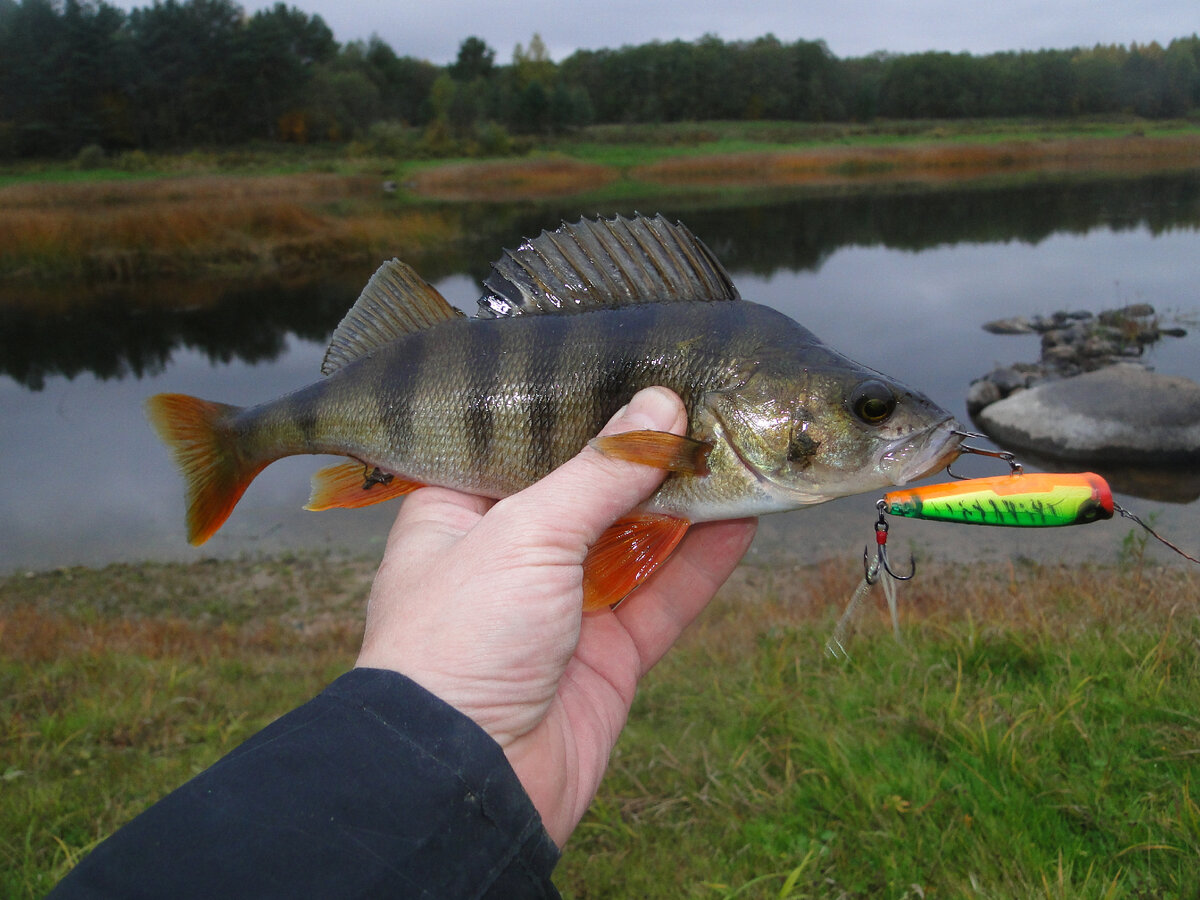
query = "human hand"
{"x": 480, "y": 602}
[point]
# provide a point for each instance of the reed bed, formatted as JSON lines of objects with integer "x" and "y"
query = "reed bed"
{"x": 934, "y": 161}
{"x": 139, "y": 228}
{"x": 306, "y": 187}
{"x": 504, "y": 181}
{"x": 113, "y": 231}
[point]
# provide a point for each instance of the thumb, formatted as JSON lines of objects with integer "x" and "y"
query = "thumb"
{"x": 591, "y": 491}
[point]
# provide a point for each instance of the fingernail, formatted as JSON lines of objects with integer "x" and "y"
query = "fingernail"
{"x": 653, "y": 408}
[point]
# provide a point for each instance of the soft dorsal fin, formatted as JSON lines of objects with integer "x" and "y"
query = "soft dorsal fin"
{"x": 605, "y": 263}
{"x": 395, "y": 302}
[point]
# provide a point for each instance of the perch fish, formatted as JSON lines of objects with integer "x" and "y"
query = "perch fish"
{"x": 571, "y": 325}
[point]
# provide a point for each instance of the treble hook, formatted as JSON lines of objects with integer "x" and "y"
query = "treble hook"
{"x": 881, "y": 534}
{"x": 1014, "y": 467}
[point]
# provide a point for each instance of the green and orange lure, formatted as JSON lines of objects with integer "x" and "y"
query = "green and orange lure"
{"x": 1046, "y": 500}
{"x": 1036, "y": 500}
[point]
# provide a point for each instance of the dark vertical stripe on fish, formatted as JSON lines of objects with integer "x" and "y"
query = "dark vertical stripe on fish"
{"x": 543, "y": 366}
{"x": 398, "y": 389}
{"x": 616, "y": 372}
{"x": 304, "y": 415}
{"x": 611, "y": 389}
{"x": 483, "y": 377}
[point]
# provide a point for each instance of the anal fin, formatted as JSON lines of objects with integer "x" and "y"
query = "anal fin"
{"x": 626, "y": 555}
{"x": 659, "y": 449}
{"x": 352, "y": 485}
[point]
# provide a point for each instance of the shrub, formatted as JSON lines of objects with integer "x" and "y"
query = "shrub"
{"x": 133, "y": 161}
{"x": 391, "y": 138}
{"x": 90, "y": 157}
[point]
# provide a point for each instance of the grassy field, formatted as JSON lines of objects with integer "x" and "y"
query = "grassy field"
{"x": 1035, "y": 734}
{"x": 278, "y": 210}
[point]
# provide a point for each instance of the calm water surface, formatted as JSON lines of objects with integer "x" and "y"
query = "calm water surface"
{"x": 900, "y": 282}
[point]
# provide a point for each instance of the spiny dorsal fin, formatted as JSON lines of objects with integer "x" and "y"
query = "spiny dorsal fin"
{"x": 605, "y": 263}
{"x": 395, "y": 302}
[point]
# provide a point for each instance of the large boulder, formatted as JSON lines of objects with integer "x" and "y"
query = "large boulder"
{"x": 1119, "y": 414}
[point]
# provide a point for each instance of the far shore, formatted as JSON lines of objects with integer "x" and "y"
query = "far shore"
{"x": 285, "y": 214}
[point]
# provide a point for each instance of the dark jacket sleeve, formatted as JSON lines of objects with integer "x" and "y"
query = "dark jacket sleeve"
{"x": 375, "y": 788}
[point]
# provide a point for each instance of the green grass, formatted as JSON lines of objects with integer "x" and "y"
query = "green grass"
{"x": 1050, "y": 755}
{"x": 1035, "y": 734}
{"x": 616, "y": 145}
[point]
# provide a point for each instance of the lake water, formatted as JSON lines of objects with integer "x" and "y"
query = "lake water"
{"x": 900, "y": 280}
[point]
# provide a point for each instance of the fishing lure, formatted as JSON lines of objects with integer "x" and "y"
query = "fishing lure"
{"x": 1046, "y": 500}
{"x": 1043, "y": 499}
{"x": 1037, "y": 500}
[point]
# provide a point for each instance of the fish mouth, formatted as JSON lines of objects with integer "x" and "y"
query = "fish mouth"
{"x": 915, "y": 456}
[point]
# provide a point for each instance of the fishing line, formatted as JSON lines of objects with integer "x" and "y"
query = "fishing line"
{"x": 875, "y": 574}
{"x": 1128, "y": 515}
{"x": 875, "y": 571}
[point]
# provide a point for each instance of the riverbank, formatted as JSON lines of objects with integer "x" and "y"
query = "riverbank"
{"x": 262, "y": 214}
{"x": 1048, "y": 709}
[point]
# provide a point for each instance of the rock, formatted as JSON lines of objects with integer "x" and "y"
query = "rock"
{"x": 1060, "y": 355}
{"x": 1125, "y": 313}
{"x": 1099, "y": 346}
{"x": 1071, "y": 334}
{"x": 1015, "y": 325}
{"x": 1008, "y": 379}
{"x": 1121, "y": 413}
{"x": 981, "y": 393}
{"x": 1044, "y": 323}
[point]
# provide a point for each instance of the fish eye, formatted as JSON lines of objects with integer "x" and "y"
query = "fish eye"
{"x": 873, "y": 402}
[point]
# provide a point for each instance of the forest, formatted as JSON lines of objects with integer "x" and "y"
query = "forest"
{"x": 82, "y": 75}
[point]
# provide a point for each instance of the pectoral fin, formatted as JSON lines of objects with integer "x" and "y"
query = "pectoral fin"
{"x": 626, "y": 554}
{"x": 352, "y": 485}
{"x": 660, "y": 449}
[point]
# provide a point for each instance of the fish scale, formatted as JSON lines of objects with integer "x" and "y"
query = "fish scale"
{"x": 571, "y": 325}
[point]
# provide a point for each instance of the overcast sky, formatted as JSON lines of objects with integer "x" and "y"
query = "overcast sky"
{"x": 434, "y": 29}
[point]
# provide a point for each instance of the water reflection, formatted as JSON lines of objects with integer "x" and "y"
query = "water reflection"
{"x": 126, "y": 331}
{"x": 900, "y": 281}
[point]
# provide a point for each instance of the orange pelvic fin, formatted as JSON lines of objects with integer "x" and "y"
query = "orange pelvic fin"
{"x": 660, "y": 449}
{"x": 207, "y": 452}
{"x": 352, "y": 485}
{"x": 626, "y": 554}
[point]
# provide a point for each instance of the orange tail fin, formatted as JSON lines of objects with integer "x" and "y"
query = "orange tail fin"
{"x": 207, "y": 453}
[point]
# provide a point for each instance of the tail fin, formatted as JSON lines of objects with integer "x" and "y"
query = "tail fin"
{"x": 207, "y": 453}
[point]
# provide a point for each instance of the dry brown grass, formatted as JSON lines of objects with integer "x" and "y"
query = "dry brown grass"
{"x": 134, "y": 229}
{"x": 1055, "y": 600}
{"x": 158, "y": 609}
{"x": 932, "y": 162}
{"x": 511, "y": 180}
{"x": 249, "y": 225}
{"x": 35, "y": 637}
{"x": 300, "y": 188}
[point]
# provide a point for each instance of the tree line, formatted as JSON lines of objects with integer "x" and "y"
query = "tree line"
{"x": 83, "y": 73}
